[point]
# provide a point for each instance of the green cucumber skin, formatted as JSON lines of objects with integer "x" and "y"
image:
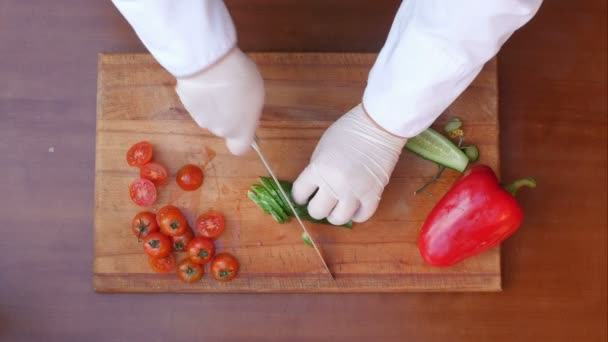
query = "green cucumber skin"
{"x": 424, "y": 143}
{"x": 266, "y": 199}
{"x": 306, "y": 239}
{"x": 271, "y": 186}
{"x": 253, "y": 197}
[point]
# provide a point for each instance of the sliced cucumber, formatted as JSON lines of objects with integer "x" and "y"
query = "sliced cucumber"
{"x": 252, "y": 195}
{"x": 269, "y": 199}
{"x": 270, "y": 202}
{"x": 433, "y": 146}
{"x": 306, "y": 239}
{"x": 273, "y": 188}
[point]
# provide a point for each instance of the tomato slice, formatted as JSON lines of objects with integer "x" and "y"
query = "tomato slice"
{"x": 155, "y": 172}
{"x": 210, "y": 224}
{"x": 140, "y": 154}
{"x": 189, "y": 272}
{"x": 162, "y": 265}
{"x": 143, "y": 192}
{"x": 224, "y": 267}
{"x": 190, "y": 177}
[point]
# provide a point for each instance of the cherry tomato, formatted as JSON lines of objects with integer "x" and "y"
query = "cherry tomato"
{"x": 171, "y": 221}
{"x": 180, "y": 242}
{"x": 155, "y": 172}
{"x": 190, "y": 177}
{"x": 162, "y": 265}
{"x": 201, "y": 250}
{"x": 210, "y": 224}
{"x": 140, "y": 153}
{"x": 143, "y": 224}
{"x": 143, "y": 192}
{"x": 189, "y": 272}
{"x": 224, "y": 267}
{"x": 157, "y": 245}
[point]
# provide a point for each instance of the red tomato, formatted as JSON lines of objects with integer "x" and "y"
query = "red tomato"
{"x": 162, "y": 265}
{"x": 155, "y": 172}
{"x": 201, "y": 250}
{"x": 140, "y": 154}
{"x": 171, "y": 221}
{"x": 210, "y": 224}
{"x": 143, "y": 192}
{"x": 190, "y": 177}
{"x": 189, "y": 272}
{"x": 157, "y": 245}
{"x": 143, "y": 224}
{"x": 224, "y": 267}
{"x": 180, "y": 242}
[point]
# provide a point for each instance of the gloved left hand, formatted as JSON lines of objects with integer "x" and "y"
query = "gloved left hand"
{"x": 349, "y": 169}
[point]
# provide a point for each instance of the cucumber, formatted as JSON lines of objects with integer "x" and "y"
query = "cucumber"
{"x": 433, "y": 146}
{"x": 273, "y": 188}
{"x": 267, "y": 199}
{"x": 252, "y": 195}
{"x": 306, "y": 239}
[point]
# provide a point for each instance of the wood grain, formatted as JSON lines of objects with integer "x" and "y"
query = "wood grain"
{"x": 553, "y": 119}
{"x": 305, "y": 93}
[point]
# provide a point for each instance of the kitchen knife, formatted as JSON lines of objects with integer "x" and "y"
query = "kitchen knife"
{"x": 288, "y": 200}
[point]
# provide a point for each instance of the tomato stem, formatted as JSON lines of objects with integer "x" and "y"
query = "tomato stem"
{"x": 516, "y": 185}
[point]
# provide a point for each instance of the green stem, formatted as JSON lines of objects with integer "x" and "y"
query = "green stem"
{"x": 513, "y": 187}
{"x": 433, "y": 180}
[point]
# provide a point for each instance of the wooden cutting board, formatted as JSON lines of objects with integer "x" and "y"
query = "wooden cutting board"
{"x": 305, "y": 94}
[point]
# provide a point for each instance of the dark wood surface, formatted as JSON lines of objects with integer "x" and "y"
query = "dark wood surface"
{"x": 553, "y": 116}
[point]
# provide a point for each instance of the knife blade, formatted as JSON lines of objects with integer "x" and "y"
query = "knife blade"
{"x": 287, "y": 199}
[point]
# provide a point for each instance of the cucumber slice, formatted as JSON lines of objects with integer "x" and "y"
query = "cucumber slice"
{"x": 252, "y": 196}
{"x": 306, "y": 239}
{"x": 433, "y": 146}
{"x": 274, "y": 207}
{"x": 265, "y": 198}
{"x": 271, "y": 186}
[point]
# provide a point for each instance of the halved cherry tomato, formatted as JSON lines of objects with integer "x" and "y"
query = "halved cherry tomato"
{"x": 180, "y": 242}
{"x": 210, "y": 224}
{"x": 171, "y": 221}
{"x": 224, "y": 267}
{"x": 143, "y": 224}
{"x": 162, "y": 265}
{"x": 201, "y": 250}
{"x": 157, "y": 245}
{"x": 140, "y": 153}
{"x": 143, "y": 192}
{"x": 155, "y": 172}
{"x": 189, "y": 272}
{"x": 190, "y": 177}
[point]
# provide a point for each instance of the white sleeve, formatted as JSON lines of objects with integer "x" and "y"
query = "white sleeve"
{"x": 433, "y": 52}
{"x": 185, "y": 36}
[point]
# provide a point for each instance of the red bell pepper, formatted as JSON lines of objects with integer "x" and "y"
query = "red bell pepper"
{"x": 475, "y": 215}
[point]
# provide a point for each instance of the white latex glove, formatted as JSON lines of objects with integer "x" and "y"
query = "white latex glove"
{"x": 226, "y": 98}
{"x": 350, "y": 167}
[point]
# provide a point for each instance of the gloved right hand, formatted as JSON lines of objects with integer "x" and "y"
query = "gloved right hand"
{"x": 226, "y": 98}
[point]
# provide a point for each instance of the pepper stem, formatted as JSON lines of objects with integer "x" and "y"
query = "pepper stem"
{"x": 513, "y": 187}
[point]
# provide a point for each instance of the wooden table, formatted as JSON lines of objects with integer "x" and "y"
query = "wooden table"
{"x": 553, "y": 116}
